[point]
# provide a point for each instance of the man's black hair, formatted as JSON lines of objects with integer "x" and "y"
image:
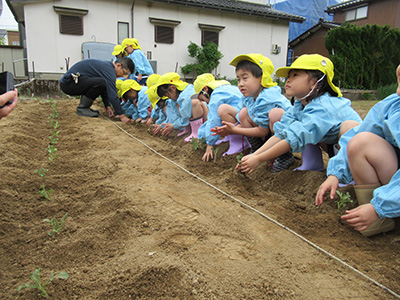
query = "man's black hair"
{"x": 247, "y": 65}
{"x": 126, "y": 63}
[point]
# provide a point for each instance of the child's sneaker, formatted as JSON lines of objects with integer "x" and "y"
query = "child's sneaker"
{"x": 282, "y": 162}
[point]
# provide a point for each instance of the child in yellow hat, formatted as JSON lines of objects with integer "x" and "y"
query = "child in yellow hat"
{"x": 316, "y": 116}
{"x": 216, "y": 93}
{"x": 137, "y": 103}
{"x": 118, "y": 52}
{"x": 370, "y": 155}
{"x": 143, "y": 67}
{"x": 263, "y": 104}
{"x": 185, "y": 111}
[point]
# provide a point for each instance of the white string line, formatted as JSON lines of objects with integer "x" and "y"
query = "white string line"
{"x": 260, "y": 213}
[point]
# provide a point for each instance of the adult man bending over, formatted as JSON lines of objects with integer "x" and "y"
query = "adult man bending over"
{"x": 91, "y": 78}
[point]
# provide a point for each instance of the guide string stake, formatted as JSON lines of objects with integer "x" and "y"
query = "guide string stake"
{"x": 260, "y": 213}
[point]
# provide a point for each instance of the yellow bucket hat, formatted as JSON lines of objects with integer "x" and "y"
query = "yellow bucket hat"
{"x": 216, "y": 83}
{"x": 263, "y": 62}
{"x": 201, "y": 81}
{"x": 152, "y": 80}
{"x": 171, "y": 78}
{"x": 131, "y": 42}
{"x": 312, "y": 62}
{"x": 118, "y": 84}
{"x": 118, "y": 49}
{"x": 152, "y": 95}
{"x": 130, "y": 84}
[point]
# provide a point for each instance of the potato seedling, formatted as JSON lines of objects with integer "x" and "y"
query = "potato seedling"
{"x": 35, "y": 276}
{"x": 343, "y": 200}
{"x": 57, "y": 226}
{"x": 42, "y": 172}
{"x": 197, "y": 143}
{"x": 52, "y": 151}
{"x": 215, "y": 152}
{"x": 239, "y": 158}
{"x": 45, "y": 193}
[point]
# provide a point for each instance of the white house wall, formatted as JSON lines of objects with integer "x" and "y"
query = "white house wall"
{"x": 242, "y": 34}
{"x": 49, "y": 49}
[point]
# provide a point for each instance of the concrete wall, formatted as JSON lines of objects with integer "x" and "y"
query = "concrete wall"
{"x": 11, "y": 59}
{"x": 49, "y": 50}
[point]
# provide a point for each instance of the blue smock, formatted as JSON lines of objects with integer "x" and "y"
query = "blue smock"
{"x": 383, "y": 120}
{"x": 225, "y": 94}
{"x": 179, "y": 118}
{"x": 268, "y": 99}
{"x": 141, "y": 110}
{"x": 161, "y": 114}
{"x": 142, "y": 65}
{"x": 317, "y": 122}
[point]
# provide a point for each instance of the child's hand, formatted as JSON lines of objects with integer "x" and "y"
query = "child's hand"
{"x": 168, "y": 128}
{"x": 208, "y": 154}
{"x": 249, "y": 164}
{"x": 149, "y": 122}
{"x": 361, "y": 217}
{"x": 330, "y": 184}
{"x": 157, "y": 129}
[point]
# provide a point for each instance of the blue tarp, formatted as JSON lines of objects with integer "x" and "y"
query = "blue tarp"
{"x": 312, "y": 10}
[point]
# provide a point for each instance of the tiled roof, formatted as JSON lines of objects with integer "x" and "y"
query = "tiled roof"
{"x": 312, "y": 30}
{"x": 236, "y": 7}
{"x": 345, "y": 4}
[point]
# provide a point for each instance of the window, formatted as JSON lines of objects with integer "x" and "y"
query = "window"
{"x": 164, "y": 34}
{"x": 123, "y": 31}
{"x": 164, "y": 30}
{"x": 358, "y": 13}
{"x": 71, "y": 19}
{"x": 210, "y": 33}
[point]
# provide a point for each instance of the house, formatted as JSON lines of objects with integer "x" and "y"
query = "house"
{"x": 362, "y": 12}
{"x": 358, "y": 12}
{"x": 54, "y": 32}
{"x": 312, "y": 40}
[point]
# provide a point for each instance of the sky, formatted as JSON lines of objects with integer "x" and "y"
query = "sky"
{"x": 7, "y": 20}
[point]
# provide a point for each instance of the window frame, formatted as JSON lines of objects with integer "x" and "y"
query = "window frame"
{"x": 209, "y": 29}
{"x": 167, "y": 24}
{"x": 355, "y": 12}
{"x": 120, "y": 39}
{"x": 64, "y": 13}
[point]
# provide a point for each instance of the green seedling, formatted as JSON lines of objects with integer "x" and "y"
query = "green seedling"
{"x": 55, "y": 124}
{"x": 215, "y": 151}
{"x": 42, "y": 172}
{"x": 197, "y": 143}
{"x": 57, "y": 226}
{"x": 239, "y": 157}
{"x": 45, "y": 193}
{"x": 53, "y": 140}
{"x": 35, "y": 277}
{"x": 343, "y": 200}
{"x": 52, "y": 151}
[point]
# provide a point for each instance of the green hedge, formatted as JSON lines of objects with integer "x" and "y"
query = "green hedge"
{"x": 365, "y": 57}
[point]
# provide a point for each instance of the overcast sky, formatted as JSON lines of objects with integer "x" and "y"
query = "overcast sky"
{"x": 7, "y": 20}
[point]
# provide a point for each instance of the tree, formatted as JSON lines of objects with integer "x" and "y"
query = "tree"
{"x": 208, "y": 58}
{"x": 364, "y": 57}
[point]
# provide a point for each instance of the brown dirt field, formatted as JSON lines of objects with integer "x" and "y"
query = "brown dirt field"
{"x": 141, "y": 227}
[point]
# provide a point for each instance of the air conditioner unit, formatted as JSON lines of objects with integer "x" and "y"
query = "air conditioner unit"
{"x": 276, "y": 49}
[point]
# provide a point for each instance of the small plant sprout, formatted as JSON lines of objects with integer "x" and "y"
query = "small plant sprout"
{"x": 42, "y": 172}
{"x": 239, "y": 158}
{"x": 343, "y": 200}
{"x": 53, "y": 140}
{"x": 57, "y": 225}
{"x": 45, "y": 193}
{"x": 197, "y": 143}
{"x": 215, "y": 152}
{"x": 35, "y": 277}
{"x": 52, "y": 152}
